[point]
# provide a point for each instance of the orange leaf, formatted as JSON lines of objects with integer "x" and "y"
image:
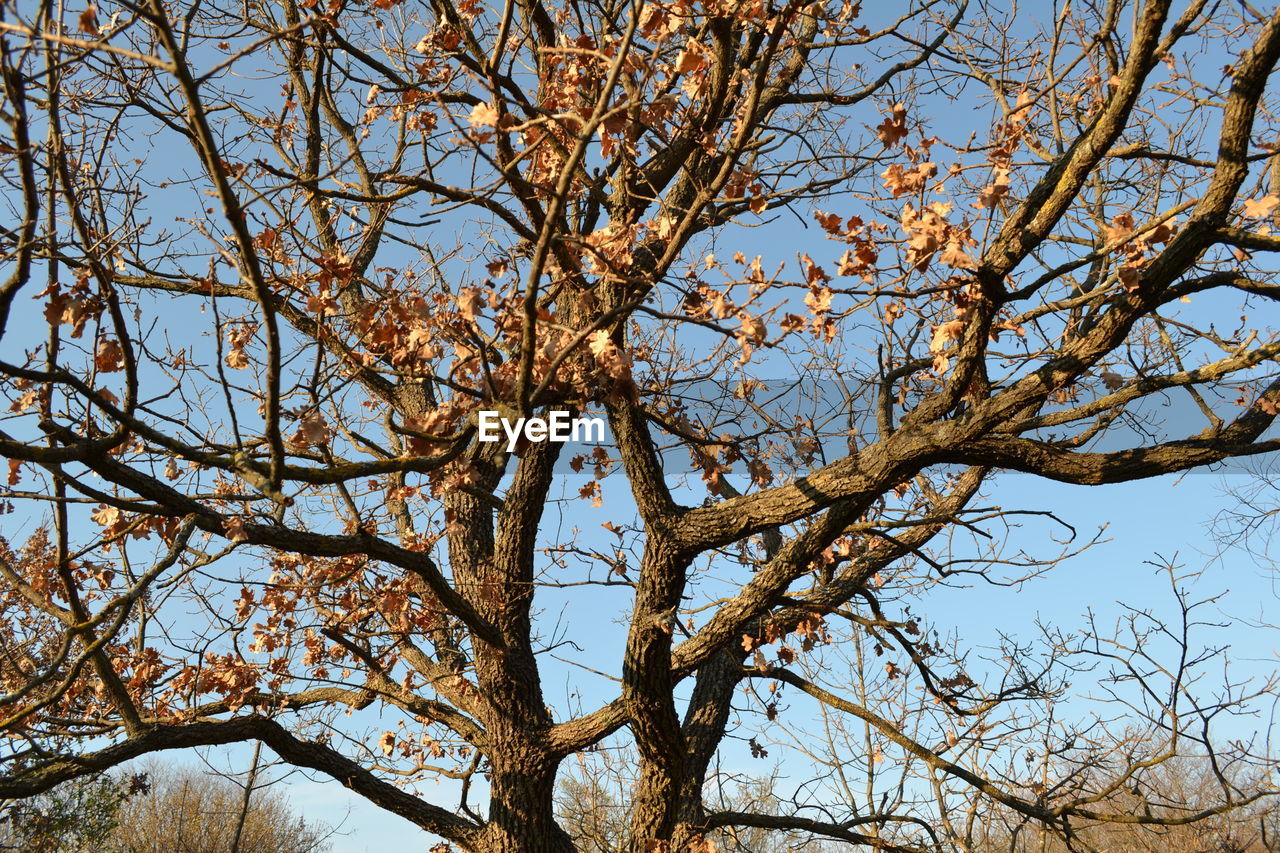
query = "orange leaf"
{"x": 1261, "y": 207}
{"x": 109, "y": 356}
{"x": 483, "y": 115}
{"x": 692, "y": 58}
{"x": 88, "y": 22}
{"x": 894, "y": 128}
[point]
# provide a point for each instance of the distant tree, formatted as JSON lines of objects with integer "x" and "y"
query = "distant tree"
{"x": 80, "y": 816}
{"x": 161, "y": 809}
{"x": 592, "y": 796}
{"x": 591, "y": 802}
{"x": 1185, "y": 820}
{"x": 200, "y": 812}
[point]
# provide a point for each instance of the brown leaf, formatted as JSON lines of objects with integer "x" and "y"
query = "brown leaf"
{"x": 591, "y": 491}
{"x": 233, "y": 528}
{"x": 76, "y": 312}
{"x": 483, "y": 115}
{"x": 753, "y": 328}
{"x": 692, "y": 58}
{"x": 955, "y": 256}
{"x": 990, "y": 196}
{"x": 608, "y": 357}
{"x": 1119, "y": 230}
{"x": 830, "y": 222}
{"x": 721, "y": 306}
{"x": 818, "y": 300}
{"x": 25, "y": 401}
{"x": 813, "y": 273}
{"x": 761, "y": 474}
{"x": 1130, "y": 277}
{"x": 1112, "y": 380}
{"x": 894, "y": 128}
{"x": 1261, "y": 207}
{"x": 311, "y": 431}
{"x": 901, "y": 181}
{"x": 109, "y": 357}
{"x": 106, "y": 515}
{"x": 88, "y": 22}
{"x": 944, "y": 333}
{"x": 469, "y": 301}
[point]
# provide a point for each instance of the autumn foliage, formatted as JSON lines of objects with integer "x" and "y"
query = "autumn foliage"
{"x": 830, "y": 271}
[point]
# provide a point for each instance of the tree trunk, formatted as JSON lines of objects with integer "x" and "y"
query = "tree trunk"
{"x": 521, "y": 814}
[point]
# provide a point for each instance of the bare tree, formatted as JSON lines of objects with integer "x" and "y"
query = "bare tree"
{"x": 592, "y": 796}
{"x": 160, "y": 808}
{"x": 77, "y": 816}
{"x": 1187, "y": 785}
{"x": 276, "y": 271}
{"x": 197, "y": 812}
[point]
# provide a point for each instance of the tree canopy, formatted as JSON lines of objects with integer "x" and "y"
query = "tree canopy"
{"x": 828, "y": 271}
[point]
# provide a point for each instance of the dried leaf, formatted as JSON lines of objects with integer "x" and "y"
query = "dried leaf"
{"x": 469, "y": 302}
{"x": 1257, "y": 209}
{"x": 1112, "y": 380}
{"x": 818, "y": 300}
{"x": 233, "y": 528}
{"x": 312, "y": 430}
{"x": 110, "y": 357}
{"x": 483, "y": 115}
{"x": 753, "y": 328}
{"x": 692, "y": 58}
{"x": 892, "y": 130}
{"x": 88, "y": 22}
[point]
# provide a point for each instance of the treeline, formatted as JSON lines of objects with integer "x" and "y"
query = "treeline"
{"x": 160, "y": 809}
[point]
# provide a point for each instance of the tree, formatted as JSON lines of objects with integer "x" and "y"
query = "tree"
{"x": 162, "y": 809}
{"x": 591, "y": 805}
{"x": 199, "y": 812}
{"x": 1188, "y": 785}
{"x": 76, "y": 816}
{"x": 269, "y": 263}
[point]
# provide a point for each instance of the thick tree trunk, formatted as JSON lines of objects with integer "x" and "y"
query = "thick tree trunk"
{"x": 648, "y": 688}
{"x": 492, "y": 559}
{"x": 521, "y": 813}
